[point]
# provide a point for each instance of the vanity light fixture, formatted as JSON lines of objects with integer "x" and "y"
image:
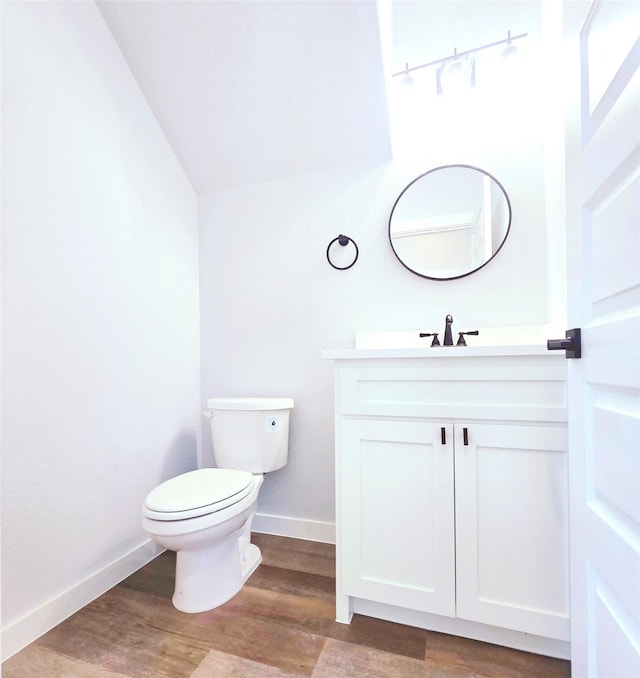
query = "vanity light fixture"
{"x": 456, "y": 75}
{"x": 458, "y": 66}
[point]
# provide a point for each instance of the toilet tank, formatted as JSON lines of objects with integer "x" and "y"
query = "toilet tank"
{"x": 250, "y": 434}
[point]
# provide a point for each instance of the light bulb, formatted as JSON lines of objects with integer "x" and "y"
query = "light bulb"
{"x": 510, "y": 51}
{"x": 456, "y": 76}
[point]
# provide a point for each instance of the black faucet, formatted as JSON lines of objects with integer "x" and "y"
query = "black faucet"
{"x": 448, "y": 339}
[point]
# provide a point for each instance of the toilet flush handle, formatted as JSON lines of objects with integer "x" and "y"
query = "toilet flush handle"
{"x": 207, "y": 414}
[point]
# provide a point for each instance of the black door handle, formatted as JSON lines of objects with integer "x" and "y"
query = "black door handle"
{"x": 571, "y": 344}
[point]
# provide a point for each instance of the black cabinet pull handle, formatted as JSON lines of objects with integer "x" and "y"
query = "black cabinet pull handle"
{"x": 465, "y": 435}
{"x": 443, "y": 435}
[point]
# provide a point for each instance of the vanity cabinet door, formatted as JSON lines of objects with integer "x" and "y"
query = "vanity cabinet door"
{"x": 397, "y": 514}
{"x": 512, "y": 527}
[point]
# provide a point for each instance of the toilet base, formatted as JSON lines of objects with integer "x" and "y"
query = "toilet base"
{"x": 250, "y": 561}
{"x": 208, "y": 577}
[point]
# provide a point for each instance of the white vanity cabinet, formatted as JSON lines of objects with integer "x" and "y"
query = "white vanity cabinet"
{"x": 397, "y": 528}
{"x": 451, "y": 502}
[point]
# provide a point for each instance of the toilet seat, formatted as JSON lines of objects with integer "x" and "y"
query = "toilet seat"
{"x": 182, "y": 528}
{"x": 197, "y": 493}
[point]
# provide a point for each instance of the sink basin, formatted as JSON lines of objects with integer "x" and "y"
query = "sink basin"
{"x": 489, "y": 336}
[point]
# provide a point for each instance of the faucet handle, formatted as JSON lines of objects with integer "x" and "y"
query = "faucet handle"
{"x": 436, "y": 341}
{"x": 461, "y": 341}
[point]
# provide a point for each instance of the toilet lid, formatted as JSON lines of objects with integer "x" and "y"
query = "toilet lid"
{"x": 197, "y": 493}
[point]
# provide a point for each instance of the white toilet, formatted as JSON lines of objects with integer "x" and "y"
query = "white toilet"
{"x": 206, "y": 515}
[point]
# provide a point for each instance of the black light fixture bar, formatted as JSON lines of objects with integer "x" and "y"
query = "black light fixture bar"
{"x": 456, "y": 55}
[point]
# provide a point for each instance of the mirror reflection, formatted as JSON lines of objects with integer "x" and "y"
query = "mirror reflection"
{"x": 449, "y": 222}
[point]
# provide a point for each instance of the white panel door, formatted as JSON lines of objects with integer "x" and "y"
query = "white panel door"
{"x": 512, "y": 541}
{"x": 603, "y": 201}
{"x": 397, "y": 514}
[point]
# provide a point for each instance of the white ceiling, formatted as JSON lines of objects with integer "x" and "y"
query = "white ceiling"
{"x": 254, "y": 91}
{"x": 250, "y": 91}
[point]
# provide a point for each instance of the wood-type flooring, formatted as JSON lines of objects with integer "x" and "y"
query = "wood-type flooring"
{"x": 280, "y": 624}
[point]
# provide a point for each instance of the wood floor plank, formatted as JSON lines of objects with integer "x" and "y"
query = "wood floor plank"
{"x": 282, "y": 623}
{"x": 316, "y": 614}
{"x": 39, "y": 662}
{"x": 221, "y": 665}
{"x": 491, "y": 661}
{"x": 297, "y": 555}
{"x": 292, "y": 581}
{"x": 156, "y": 577}
{"x": 147, "y": 630}
{"x": 344, "y": 660}
{"x": 131, "y": 633}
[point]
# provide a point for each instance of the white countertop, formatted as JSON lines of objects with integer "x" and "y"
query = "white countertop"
{"x": 437, "y": 352}
{"x": 491, "y": 341}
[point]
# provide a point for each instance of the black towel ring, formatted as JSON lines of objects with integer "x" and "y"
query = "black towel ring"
{"x": 343, "y": 240}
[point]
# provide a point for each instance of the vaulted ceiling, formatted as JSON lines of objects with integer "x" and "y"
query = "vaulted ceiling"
{"x": 255, "y": 91}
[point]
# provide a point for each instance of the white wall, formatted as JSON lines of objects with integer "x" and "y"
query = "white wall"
{"x": 100, "y": 346}
{"x": 271, "y": 302}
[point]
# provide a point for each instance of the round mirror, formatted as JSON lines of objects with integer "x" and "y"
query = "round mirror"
{"x": 449, "y": 222}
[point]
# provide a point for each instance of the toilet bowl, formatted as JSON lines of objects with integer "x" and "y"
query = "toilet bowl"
{"x": 212, "y": 540}
{"x": 205, "y": 516}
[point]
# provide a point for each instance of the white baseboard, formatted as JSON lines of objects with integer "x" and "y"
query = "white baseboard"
{"x": 298, "y": 528}
{"x": 26, "y": 629}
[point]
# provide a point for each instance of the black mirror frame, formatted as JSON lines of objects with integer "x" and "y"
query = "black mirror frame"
{"x": 435, "y": 169}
